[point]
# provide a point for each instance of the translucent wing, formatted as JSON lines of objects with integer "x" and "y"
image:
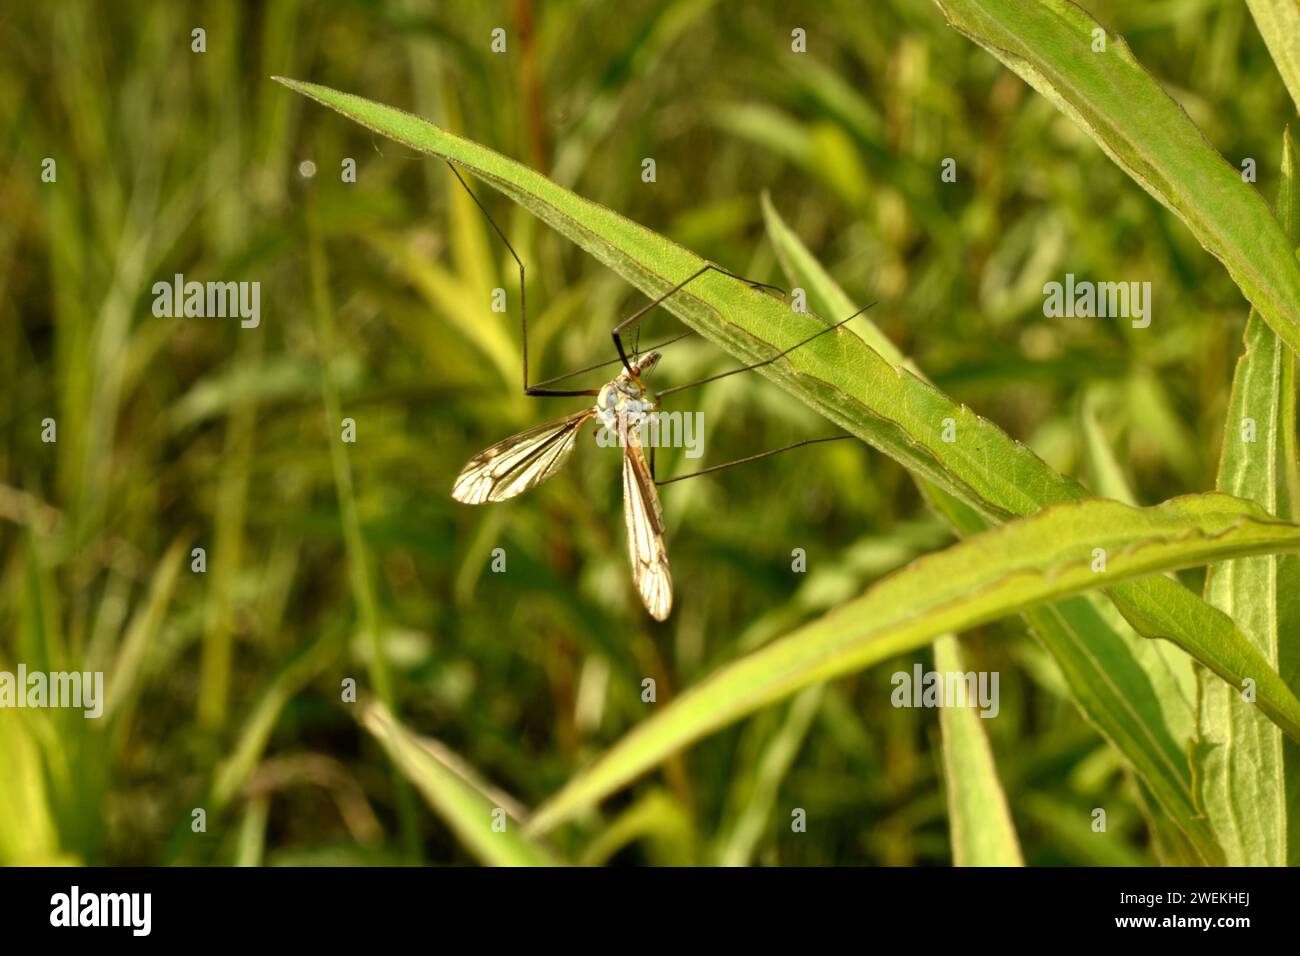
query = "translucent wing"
{"x": 515, "y": 464}
{"x": 645, "y": 531}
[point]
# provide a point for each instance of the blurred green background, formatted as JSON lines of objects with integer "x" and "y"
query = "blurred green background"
{"x": 224, "y": 687}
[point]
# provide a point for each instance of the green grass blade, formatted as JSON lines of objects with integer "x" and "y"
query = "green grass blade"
{"x": 1057, "y": 818}
{"x": 1112, "y": 98}
{"x": 1042, "y": 558}
{"x": 359, "y": 572}
{"x": 1130, "y": 691}
{"x": 234, "y": 771}
{"x": 460, "y": 802}
{"x": 251, "y": 849}
{"x": 1107, "y": 475}
{"x": 661, "y": 825}
{"x": 754, "y": 795}
{"x": 1279, "y": 25}
{"x": 359, "y": 569}
{"x": 1249, "y": 774}
{"x": 28, "y": 833}
{"x": 128, "y": 663}
{"x": 978, "y": 816}
{"x": 651, "y": 42}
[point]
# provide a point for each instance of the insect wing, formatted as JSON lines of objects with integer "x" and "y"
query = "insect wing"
{"x": 645, "y": 532}
{"x": 515, "y": 464}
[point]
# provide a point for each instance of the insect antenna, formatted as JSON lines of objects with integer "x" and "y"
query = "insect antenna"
{"x": 748, "y": 368}
{"x": 640, "y": 313}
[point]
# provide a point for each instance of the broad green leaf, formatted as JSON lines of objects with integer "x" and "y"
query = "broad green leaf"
{"x": 1249, "y": 774}
{"x": 1279, "y": 25}
{"x": 1046, "y": 557}
{"x": 982, "y": 833}
{"x": 1134, "y": 691}
{"x": 1050, "y": 44}
{"x": 455, "y": 796}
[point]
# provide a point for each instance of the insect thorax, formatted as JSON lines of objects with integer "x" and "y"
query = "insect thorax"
{"x": 623, "y": 398}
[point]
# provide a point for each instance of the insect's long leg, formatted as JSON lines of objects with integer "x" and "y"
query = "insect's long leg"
{"x": 742, "y": 461}
{"x": 534, "y": 390}
{"x": 746, "y": 368}
{"x": 640, "y": 313}
{"x": 614, "y": 361}
{"x": 769, "y": 361}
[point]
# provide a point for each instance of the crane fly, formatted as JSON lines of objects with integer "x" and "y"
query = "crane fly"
{"x": 523, "y": 461}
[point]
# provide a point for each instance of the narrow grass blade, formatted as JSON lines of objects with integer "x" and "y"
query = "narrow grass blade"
{"x": 1107, "y": 476}
{"x": 1279, "y": 25}
{"x": 460, "y": 803}
{"x": 227, "y": 545}
{"x": 233, "y": 772}
{"x": 1249, "y": 774}
{"x": 657, "y": 822}
{"x": 251, "y": 848}
{"x": 359, "y": 572}
{"x": 982, "y": 833}
{"x": 446, "y": 293}
{"x": 28, "y": 833}
{"x": 1054, "y": 46}
{"x": 650, "y": 41}
{"x": 363, "y": 589}
{"x": 1043, "y": 558}
{"x": 750, "y": 806}
{"x": 1061, "y": 820}
{"x": 144, "y": 627}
